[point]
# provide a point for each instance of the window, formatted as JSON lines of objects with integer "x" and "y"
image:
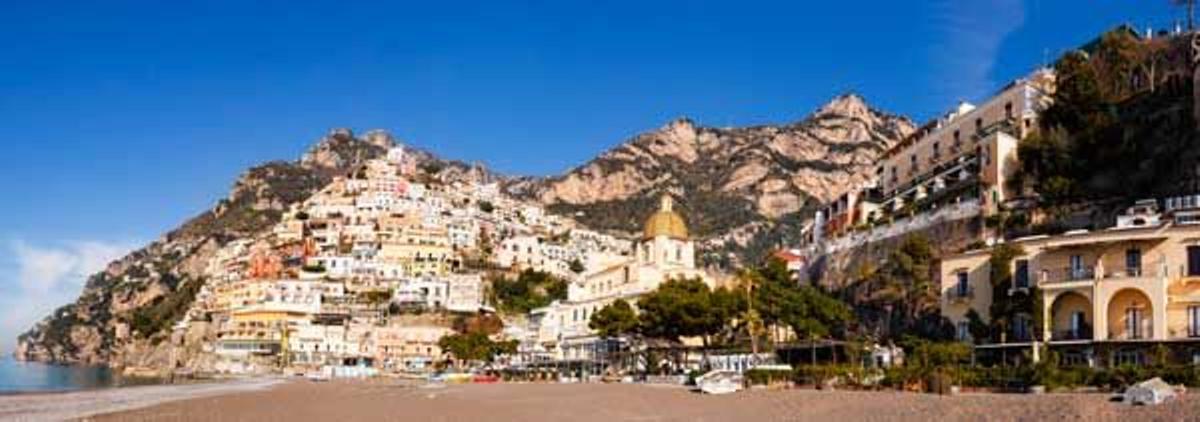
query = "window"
{"x": 937, "y": 151}
{"x": 978, "y": 125}
{"x": 1127, "y": 357}
{"x": 1133, "y": 262}
{"x": 1078, "y": 324}
{"x": 1021, "y": 328}
{"x": 957, "y": 139}
{"x": 963, "y": 287}
{"x": 1021, "y": 276}
{"x": 1133, "y": 323}
{"x": 1193, "y": 315}
{"x": 1076, "y": 267}
{"x": 1193, "y": 253}
{"x": 963, "y": 330}
{"x": 1075, "y": 358}
{"x": 1008, "y": 110}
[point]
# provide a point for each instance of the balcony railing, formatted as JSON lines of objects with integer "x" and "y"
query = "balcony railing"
{"x": 1082, "y": 333}
{"x": 960, "y": 294}
{"x": 1066, "y": 275}
{"x": 1128, "y": 335}
{"x": 1008, "y": 126}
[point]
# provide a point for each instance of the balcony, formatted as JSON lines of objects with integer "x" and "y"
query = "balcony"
{"x": 1008, "y": 126}
{"x": 1068, "y": 275}
{"x": 1081, "y": 333}
{"x": 960, "y": 294}
{"x": 1189, "y": 333}
{"x": 1124, "y": 335}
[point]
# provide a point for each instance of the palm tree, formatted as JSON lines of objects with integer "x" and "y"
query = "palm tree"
{"x": 1191, "y": 11}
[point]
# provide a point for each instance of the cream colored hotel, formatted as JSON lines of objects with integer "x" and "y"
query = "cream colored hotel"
{"x": 1108, "y": 297}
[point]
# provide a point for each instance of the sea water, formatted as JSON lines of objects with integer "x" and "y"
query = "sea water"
{"x": 24, "y": 377}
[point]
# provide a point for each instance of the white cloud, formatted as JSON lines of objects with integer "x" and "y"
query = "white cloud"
{"x": 971, "y": 33}
{"x": 44, "y": 277}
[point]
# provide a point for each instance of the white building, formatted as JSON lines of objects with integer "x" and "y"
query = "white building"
{"x": 664, "y": 252}
{"x": 464, "y": 292}
{"x": 395, "y": 155}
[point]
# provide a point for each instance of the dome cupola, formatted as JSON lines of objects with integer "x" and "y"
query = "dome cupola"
{"x": 665, "y": 222}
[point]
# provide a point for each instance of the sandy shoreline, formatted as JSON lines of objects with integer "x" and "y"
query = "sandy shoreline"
{"x": 397, "y": 400}
{"x": 62, "y": 405}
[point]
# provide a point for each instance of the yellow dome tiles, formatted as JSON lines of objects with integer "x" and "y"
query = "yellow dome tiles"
{"x": 665, "y": 222}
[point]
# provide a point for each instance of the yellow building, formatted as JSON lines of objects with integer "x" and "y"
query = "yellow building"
{"x": 409, "y": 348}
{"x": 1106, "y": 295}
{"x": 419, "y": 250}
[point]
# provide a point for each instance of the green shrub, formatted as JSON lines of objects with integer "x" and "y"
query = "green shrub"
{"x": 767, "y": 376}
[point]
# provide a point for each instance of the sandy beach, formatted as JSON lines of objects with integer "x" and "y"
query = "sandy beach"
{"x": 393, "y": 400}
{"x": 81, "y": 404}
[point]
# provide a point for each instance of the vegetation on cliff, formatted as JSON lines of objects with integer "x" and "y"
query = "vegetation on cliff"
{"x": 529, "y": 290}
{"x": 1121, "y": 126}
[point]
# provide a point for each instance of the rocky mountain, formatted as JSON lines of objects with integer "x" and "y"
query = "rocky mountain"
{"x": 123, "y": 313}
{"x": 737, "y": 185}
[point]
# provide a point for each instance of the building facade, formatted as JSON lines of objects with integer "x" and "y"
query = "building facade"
{"x": 1106, "y": 296}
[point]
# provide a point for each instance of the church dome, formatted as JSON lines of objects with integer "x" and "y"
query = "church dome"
{"x": 665, "y": 222}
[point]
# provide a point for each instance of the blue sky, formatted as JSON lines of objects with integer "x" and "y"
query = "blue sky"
{"x": 121, "y": 119}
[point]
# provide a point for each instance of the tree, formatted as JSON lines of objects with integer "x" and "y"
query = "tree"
{"x": 1006, "y": 306}
{"x": 530, "y": 290}
{"x": 486, "y": 207}
{"x": 685, "y": 308}
{"x": 486, "y": 324}
{"x": 979, "y": 330}
{"x": 1047, "y": 166}
{"x": 749, "y": 281}
{"x": 905, "y": 281}
{"x": 677, "y": 309}
{"x": 808, "y": 311}
{"x": 475, "y": 347}
{"x": 614, "y": 320}
{"x": 577, "y": 266}
{"x": 727, "y": 307}
{"x": 814, "y": 315}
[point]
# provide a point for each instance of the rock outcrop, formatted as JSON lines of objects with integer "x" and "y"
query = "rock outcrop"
{"x": 731, "y": 180}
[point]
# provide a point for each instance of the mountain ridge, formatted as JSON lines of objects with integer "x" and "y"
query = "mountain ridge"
{"x": 728, "y": 178}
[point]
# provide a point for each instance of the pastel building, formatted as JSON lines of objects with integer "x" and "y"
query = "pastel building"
{"x": 1107, "y": 296}
{"x": 971, "y": 146}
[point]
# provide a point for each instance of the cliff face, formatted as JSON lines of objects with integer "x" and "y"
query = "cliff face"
{"x": 736, "y": 183}
{"x": 124, "y": 313}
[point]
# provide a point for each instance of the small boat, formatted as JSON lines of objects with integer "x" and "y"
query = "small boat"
{"x": 485, "y": 379}
{"x": 720, "y": 382}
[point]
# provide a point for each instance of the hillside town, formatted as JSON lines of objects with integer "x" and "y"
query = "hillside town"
{"x": 317, "y": 289}
{"x": 1045, "y": 238}
{"x": 367, "y": 275}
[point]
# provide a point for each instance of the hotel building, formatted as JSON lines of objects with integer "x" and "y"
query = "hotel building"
{"x": 1107, "y": 296}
